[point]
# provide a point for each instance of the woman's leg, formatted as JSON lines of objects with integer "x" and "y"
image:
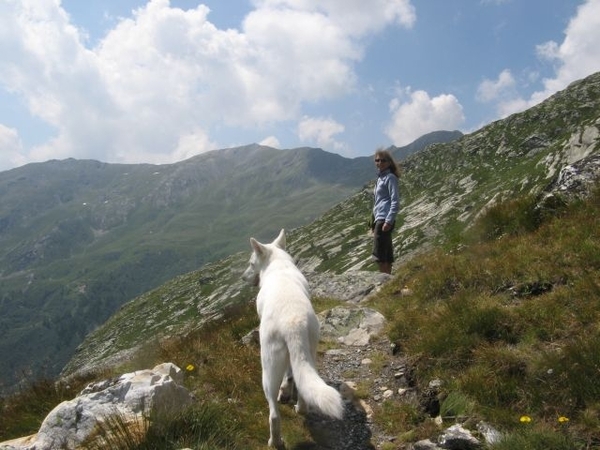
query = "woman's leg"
{"x": 385, "y": 267}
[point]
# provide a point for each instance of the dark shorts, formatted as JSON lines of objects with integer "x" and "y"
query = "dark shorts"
{"x": 383, "y": 251}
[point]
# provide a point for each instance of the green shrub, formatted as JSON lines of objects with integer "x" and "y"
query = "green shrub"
{"x": 513, "y": 217}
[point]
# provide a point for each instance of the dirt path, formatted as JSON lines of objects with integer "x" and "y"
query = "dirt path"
{"x": 373, "y": 370}
{"x": 371, "y": 367}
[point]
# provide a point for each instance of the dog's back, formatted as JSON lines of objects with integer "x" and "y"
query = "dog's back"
{"x": 288, "y": 320}
{"x": 289, "y": 333}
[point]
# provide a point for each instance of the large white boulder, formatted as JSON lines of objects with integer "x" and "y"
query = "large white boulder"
{"x": 127, "y": 397}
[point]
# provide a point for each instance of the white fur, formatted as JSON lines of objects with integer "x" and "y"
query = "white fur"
{"x": 289, "y": 333}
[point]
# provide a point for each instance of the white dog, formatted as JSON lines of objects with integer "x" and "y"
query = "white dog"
{"x": 289, "y": 333}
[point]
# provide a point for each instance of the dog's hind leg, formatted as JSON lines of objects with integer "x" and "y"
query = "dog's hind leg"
{"x": 274, "y": 367}
{"x": 287, "y": 390}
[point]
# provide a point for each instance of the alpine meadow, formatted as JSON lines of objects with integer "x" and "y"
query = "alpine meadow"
{"x": 109, "y": 268}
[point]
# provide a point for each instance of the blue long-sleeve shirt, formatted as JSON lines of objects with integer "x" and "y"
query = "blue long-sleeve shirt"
{"x": 387, "y": 203}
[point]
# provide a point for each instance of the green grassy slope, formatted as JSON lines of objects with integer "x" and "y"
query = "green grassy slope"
{"x": 508, "y": 324}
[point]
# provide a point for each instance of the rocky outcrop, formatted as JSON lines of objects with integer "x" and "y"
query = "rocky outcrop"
{"x": 351, "y": 326}
{"x": 575, "y": 180}
{"x": 126, "y": 398}
{"x": 457, "y": 437}
{"x": 352, "y": 286}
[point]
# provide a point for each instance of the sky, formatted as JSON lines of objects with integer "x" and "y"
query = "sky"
{"x": 160, "y": 81}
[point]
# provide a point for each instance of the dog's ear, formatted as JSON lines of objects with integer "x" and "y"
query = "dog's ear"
{"x": 280, "y": 241}
{"x": 258, "y": 248}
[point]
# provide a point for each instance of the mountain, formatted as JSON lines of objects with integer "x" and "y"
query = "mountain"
{"x": 547, "y": 153}
{"x": 80, "y": 238}
{"x": 436, "y": 137}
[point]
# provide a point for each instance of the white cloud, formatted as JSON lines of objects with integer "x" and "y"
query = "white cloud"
{"x": 320, "y": 131}
{"x": 310, "y": 59}
{"x": 193, "y": 143}
{"x": 579, "y": 54}
{"x": 356, "y": 17}
{"x": 510, "y": 106}
{"x": 548, "y": 51}
{"x": 10, "y": 147}
{"x": 159, "y": 83}
{"x": 422, "y": 114}
{"x": 576, "y": 57}
{"x": 490, "y": 90}
{"x": 271, "y": 141}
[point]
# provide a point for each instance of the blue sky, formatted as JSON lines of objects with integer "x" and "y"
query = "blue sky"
{"x": 159, "y": 81}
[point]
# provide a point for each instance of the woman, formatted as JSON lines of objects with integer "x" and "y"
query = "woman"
{"x": 385, "y": 208}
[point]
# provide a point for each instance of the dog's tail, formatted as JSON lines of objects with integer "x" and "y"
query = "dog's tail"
{"x": 313, "y": 390}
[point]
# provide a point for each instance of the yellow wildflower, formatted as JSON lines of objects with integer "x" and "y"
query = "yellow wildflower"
{"x": 190, "y": 367}
{"x": 563, "y": 419}
{"x": 525, "y": 419}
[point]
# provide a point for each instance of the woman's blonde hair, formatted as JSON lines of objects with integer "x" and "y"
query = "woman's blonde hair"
{"x": 386, "y": 155}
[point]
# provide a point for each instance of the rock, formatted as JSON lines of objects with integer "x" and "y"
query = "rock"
{"x": 351, "y": 326}
{"x": 430, "y": 398}
{"x": 490, "y": 434}
{"x": 575, "y": 181}
{"x": 352, "y": 286}
{"x": 127, "y": 397}
{"x": 425, "y": 444}
{"x": 335, "y": 352}
{"x": 458, "y": 438}
{"x": 252, "y": 338}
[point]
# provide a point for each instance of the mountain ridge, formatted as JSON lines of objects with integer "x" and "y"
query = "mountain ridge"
{"x": 444, "y": 187}
{"x": 79, "y": 238}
